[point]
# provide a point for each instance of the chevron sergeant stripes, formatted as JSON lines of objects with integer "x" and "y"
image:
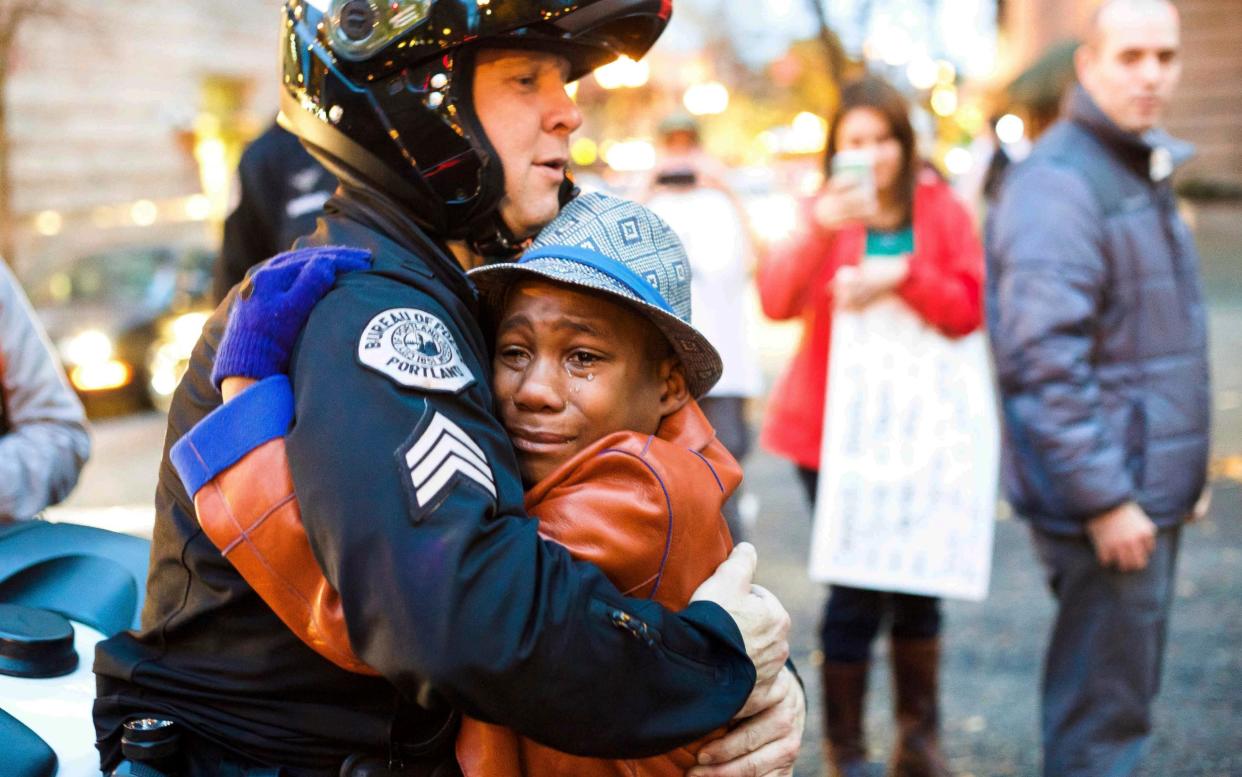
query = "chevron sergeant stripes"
{"x": 442, "y": 452}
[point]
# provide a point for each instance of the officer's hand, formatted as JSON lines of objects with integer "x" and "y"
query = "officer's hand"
{"x": 759, "y": 615}
{"x": 767, "y": 740}
{"x": 1124, "y": 537}
{"x": 272, "y": 306}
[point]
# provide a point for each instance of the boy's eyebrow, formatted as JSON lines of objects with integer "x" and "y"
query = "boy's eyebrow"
{"x": 522, "y": 320}
{"x": 577, "y": 326}
{"x": 515, "y": 321}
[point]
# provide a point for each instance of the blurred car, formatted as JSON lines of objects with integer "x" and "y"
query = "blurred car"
{"x": 125, "y": 320}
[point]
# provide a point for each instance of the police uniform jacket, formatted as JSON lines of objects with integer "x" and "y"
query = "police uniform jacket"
{"x": 645, "y": 508}
{"x": 412, "y": 506}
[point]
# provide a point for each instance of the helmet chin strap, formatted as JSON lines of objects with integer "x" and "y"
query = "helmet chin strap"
{"x": 498, "y": 243}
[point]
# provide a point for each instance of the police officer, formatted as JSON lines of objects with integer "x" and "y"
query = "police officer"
{"x": 447, "y": 124}
{"x": 282, "y": 193}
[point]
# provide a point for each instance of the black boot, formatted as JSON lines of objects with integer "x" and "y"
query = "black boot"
{"x": 844, "y": 689}
{"x": 916, "y": 673}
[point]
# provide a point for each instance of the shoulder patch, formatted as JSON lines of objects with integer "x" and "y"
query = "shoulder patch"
{"x": 435, "y": 457}
{"x": 415, "y": 349}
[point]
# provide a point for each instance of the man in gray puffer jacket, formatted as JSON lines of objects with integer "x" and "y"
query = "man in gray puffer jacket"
{"x": 43, "y": 437}
{"x": 1098, "y": 326}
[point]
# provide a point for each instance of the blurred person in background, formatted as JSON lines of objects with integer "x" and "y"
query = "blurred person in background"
{"x": 281, "y": 191}
{"x": 43, "y": 438}
{"x": 689, "y": 191}
{"x": 932, "y": 260}
{"x": 1097, "y": 322}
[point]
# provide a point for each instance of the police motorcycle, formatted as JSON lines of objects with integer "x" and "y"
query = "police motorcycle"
{"x": 63, "y": 588}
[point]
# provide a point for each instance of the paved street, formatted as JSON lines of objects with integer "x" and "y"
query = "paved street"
{"x": 993, "y": 648}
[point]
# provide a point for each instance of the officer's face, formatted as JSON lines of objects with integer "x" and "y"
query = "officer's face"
{"x": 1132, "y": 63}
{"x": 521, "y": 102}
{"x": 572, "y": 367}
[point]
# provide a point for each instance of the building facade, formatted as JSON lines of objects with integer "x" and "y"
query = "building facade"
{"x": 1207, "y": 109}
{"x": 125, "y": 119}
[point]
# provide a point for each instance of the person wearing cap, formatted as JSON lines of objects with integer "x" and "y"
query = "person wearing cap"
{"x": 596, "y": 368}
{"x": 447, "y": 125}
{"x": 688, "y": 190}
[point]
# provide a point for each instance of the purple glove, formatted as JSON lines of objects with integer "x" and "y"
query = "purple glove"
{"x": 272, "y": 306}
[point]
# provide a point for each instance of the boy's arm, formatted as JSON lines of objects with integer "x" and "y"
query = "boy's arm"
{"x": 233, "y": 463}
{"x": 613, "y": 512}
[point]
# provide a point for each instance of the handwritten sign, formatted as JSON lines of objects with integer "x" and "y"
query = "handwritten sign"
{"x": 908, "y": 473}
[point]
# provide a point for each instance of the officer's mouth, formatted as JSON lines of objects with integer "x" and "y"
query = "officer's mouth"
{"x": 554, "y": 166}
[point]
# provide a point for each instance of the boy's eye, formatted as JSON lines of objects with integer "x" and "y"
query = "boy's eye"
{"x": 584, "y": 359}
{"x": 513, "y": 356}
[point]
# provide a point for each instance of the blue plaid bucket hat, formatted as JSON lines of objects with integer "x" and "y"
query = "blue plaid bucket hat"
{"x": 606, "y": 244}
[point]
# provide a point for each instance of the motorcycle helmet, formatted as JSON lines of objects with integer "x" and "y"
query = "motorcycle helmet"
{"x": 380, "y": 90}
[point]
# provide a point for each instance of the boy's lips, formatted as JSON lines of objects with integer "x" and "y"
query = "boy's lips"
{"x": 536, "y": 440}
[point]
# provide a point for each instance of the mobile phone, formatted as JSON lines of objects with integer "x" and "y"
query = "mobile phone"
{"x": 679, "y": 177}
{"x": 857, "y": 165}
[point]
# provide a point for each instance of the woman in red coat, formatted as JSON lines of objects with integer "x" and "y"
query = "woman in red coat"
{"x": 935, "y": 265}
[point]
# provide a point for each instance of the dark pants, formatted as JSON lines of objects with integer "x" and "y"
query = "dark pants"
{"x": 853, "y": 616}
{"x": 1102, "y": 669}
{"x": 727, "y": 415}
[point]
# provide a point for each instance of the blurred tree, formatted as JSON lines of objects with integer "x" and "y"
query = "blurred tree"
{"x": 13, "y": 15}
{"x": 833, "y": 49}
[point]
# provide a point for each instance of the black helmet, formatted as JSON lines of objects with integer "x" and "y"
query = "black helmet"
{"x": 372, "y": 88}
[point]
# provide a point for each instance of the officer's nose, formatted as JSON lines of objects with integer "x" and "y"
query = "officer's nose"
{"x": 561, "y": 115}
{"x": 541, "y": 388}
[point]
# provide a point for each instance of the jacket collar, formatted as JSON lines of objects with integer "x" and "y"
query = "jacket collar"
{"x": 688, "y": 428}
{"x": 1145, "y": 151}
{"x": 376, "y": 211}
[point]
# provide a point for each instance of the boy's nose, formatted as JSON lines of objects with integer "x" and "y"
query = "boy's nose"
{"x": 541, "y": 388}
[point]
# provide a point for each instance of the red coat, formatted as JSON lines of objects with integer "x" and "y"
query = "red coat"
{"x": 944, "y": 287}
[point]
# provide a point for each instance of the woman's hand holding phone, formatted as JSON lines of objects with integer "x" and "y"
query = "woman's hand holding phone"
{"x": 856, "y": 287}
{"x": 844, "y": 200}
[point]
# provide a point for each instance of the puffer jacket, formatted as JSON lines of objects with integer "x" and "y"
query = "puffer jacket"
{"x": 1097, "y": 323}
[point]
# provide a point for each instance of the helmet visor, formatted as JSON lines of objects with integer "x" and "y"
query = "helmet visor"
{"x": 358, "y": 29}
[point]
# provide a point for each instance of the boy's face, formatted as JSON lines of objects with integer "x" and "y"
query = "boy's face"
{"x": 572, "y": 367}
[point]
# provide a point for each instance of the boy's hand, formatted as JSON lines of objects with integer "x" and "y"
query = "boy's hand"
{"x": 272, "y": 306}
{"x": 231, "y": 387}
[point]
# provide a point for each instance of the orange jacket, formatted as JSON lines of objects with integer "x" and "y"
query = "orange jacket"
{"x": 645, "y": 509}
